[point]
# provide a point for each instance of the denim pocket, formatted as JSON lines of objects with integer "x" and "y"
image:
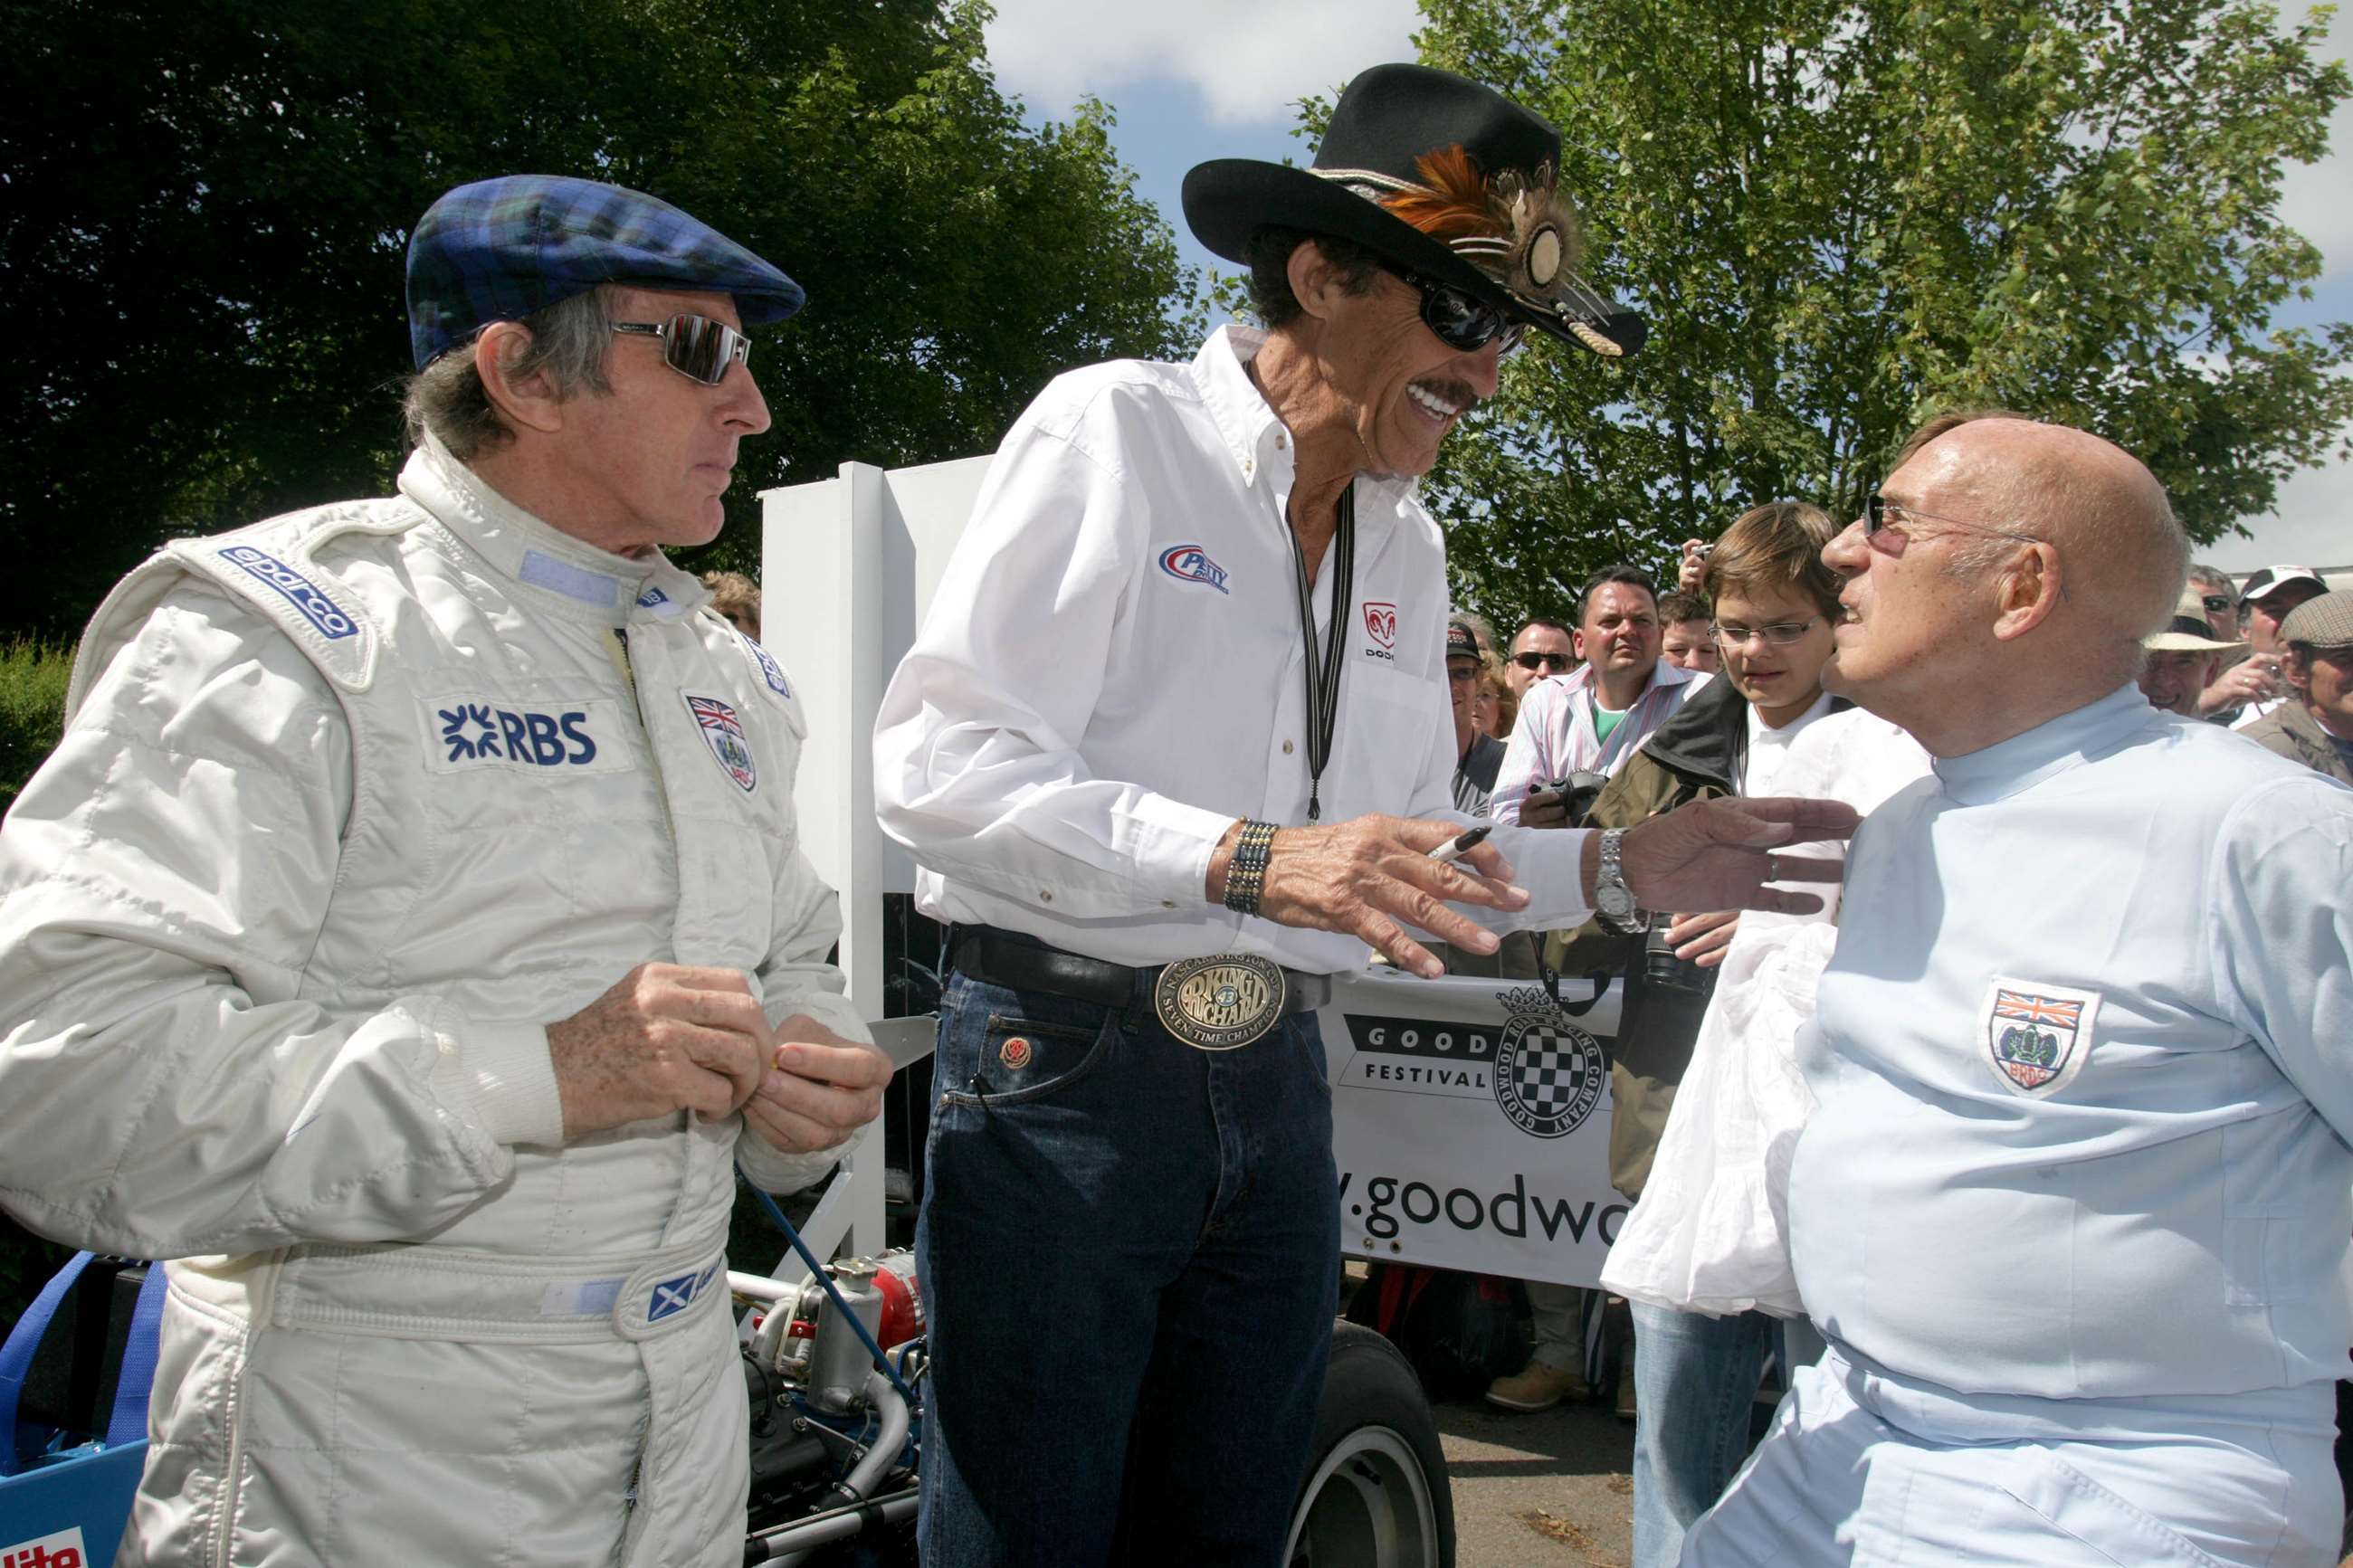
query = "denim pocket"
{"x": 1019, "y": 1059}
{"x": 1309, "y": 1043}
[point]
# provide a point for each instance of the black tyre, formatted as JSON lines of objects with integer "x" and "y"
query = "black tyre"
{"x": 1376, "y": 1494}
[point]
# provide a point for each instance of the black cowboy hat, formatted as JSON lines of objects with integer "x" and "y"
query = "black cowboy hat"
{"x": 1466, "y": 159}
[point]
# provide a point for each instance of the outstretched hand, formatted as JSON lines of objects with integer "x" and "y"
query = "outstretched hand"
{"x": 1719, "y": 854}
{"x": 1371, "y": 877}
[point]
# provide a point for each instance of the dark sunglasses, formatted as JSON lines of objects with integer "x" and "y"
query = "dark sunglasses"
{"x": 697, "y": 347}
{"x": 1533, "y": 660}
{"x": 2217, "y": 603}
{"x": 1460, "y": 321}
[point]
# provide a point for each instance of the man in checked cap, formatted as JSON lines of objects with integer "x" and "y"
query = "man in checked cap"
{"x": 409, "y": 938}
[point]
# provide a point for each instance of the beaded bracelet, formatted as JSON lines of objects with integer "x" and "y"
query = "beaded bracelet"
{"x": 1246, "y": 873}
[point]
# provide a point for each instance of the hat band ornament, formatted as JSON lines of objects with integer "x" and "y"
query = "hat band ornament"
{"x": 1512, "y": 226}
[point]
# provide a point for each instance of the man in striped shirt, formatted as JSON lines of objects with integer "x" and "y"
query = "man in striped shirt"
{"x": 1594, "y": 717}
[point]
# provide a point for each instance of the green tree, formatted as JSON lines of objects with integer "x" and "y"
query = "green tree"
{"x": 204, "y": 207}
{"x": 1841, "y": 215}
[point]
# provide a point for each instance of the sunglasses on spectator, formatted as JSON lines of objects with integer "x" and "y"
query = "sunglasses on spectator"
{"x": 1533, "y": 661}
{"x": 2216, "y": 602}
{"x": 1780, "y": 633}
{"x": 1461, "y": 321}
{"x": 1887, "y": 535}
{"x": 697, "y": 347}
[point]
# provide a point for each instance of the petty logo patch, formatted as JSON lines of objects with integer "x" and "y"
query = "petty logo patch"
{"x": 1381, "y": 623}
{"x": 2036, "y": 1034}
{"x": 298, "y": 591}
{"x": 1191, "y": 563}
{"x": 1548, "y": 1072}
{"x": 722, "y": 732}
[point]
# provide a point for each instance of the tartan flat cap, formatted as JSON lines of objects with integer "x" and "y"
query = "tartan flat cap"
{"x": 2324, "y": 622}
{"x": 497, "y": 250}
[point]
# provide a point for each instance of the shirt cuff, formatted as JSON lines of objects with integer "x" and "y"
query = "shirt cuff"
{"x": 508, "y": 1079}
{"x": 1173, "y": 847}
{"x": 1550, "y": 862}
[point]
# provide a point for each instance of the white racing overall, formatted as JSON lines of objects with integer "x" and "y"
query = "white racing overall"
{"x": 352, "y": 803}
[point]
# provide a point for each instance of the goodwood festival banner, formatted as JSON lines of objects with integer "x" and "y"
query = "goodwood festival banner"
{"x": 1471, "y": 1124}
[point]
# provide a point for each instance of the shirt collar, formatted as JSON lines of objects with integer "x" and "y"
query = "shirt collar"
{"x": 1662, "y": 674}
{"x": 546, "y": 566}
{"x": 1760, "y": 734}
{"x": 1254, "y": 437}
{"x": 2006, "y": 767}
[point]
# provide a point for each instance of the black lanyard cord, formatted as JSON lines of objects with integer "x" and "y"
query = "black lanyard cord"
{"x": 1323, "y": 670}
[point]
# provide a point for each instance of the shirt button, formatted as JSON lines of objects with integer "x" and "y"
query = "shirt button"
{"x": 1250, "y": 466}
{"x": 1281, "y": 440}
{"x": 1045, "y": 897}
{"x": 1286, "y": 748}
{"x": 1168, "y": 903}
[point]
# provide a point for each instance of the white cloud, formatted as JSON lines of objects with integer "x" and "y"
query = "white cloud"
{"x": 1250, "y": 59}
{"x": 2312, "y": 195}
{"x": 2311, "y": 523}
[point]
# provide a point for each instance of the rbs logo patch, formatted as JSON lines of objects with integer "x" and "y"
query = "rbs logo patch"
{"x": 465, "y": 733}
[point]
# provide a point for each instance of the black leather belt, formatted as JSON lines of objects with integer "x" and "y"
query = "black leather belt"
{"x": 998, "y": 958}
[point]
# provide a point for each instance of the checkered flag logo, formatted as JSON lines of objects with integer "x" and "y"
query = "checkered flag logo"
{"x": 1548, "y": 1074}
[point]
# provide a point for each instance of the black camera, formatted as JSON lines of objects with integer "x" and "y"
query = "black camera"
{"x": 1579, "y": 790}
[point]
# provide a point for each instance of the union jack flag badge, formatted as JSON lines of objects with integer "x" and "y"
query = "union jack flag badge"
{"x": 2036, "y": 1034}
{"x": 722, "y": 732}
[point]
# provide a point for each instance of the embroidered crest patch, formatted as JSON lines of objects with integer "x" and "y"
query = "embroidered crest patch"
{"x": 722, "y": 732}
{"x": 2036, "y": 1034}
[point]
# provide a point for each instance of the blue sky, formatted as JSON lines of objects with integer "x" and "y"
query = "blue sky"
{"x": 1219, "y": 78}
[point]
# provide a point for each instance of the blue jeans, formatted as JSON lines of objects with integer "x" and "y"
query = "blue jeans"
{"x": 1695, "y": 1381}
{"x": 1129, "y": 1250}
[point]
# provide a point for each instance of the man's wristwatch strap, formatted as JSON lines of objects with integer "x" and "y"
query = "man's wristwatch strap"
{"x": 1613, "y": 900}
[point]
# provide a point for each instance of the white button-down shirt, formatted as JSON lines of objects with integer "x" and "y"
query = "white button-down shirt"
{"x": 1768, "y": 749}
{"x": 1112, "y": 672}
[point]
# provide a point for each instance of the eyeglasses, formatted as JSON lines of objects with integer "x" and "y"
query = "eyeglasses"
{"x": 1460, "y": 321}
{"x": 1780, "y": 633}
{"x": 1533, "y": 660}
{"x": 2217, "y": 603}
{"x": 697, "y": 347}
{"x": 1890, "y": 538}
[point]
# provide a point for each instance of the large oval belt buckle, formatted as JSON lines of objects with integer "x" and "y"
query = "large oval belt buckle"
{"x": 1218, "y": 1003}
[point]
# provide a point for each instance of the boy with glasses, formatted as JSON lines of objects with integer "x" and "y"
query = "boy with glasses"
{"x": 1775, "y": 602}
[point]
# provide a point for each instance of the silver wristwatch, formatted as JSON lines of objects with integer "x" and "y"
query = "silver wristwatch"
{"x": 1613, "y": 900}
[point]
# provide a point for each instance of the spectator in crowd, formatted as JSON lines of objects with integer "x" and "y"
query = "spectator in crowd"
{"x": 1541, "y": 648}
{"x": 2315, "y": 726}
{"x": 1499, "y": 705}
{"x": 2073, "y": 1200}
{"x": 1595, "y": 717}
{"x": 1686, "y": 637}
{"x": 1102, "y": 779}
{"x": 1566, "y": 727}
{"x": 2271, "y": 593}
{"x": 1694, "y": 1376}
{"x": 737, "y": 598}
{"x": 1477, "y": 756}
{"x": 409, "y": 940}
{"x": 2218, "y": 601}
{"x": 2177, "y": 668}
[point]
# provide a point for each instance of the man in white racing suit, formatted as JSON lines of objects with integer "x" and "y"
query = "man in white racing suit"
{"x": 410, "y": 935}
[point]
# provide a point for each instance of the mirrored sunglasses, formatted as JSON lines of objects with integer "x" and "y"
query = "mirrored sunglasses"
{"x": 695, "y": 346}
{"x": 1460, "y": 321}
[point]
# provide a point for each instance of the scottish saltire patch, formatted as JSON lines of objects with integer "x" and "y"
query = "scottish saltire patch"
{"x": 2036, "y": 1035}
{"x": 722, "y": 732}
